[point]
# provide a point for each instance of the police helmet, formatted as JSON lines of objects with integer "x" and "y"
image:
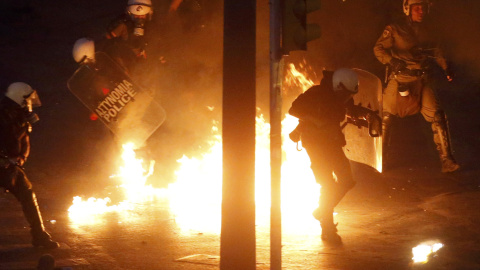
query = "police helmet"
{"x": 408, "y": 3}
{"x": 84, "y": 50}
{"x": 140, "y": 7}
{"x": 23, "y": 94}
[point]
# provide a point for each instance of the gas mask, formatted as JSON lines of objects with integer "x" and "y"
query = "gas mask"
{"x": 32, "y": 101}
{"x": 403, "y": 89}
{"x": 139, "y": 25}
{"x": 139, "y": 13}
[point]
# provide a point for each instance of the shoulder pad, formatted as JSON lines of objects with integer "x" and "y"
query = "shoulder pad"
{"x": 386, "y": 33}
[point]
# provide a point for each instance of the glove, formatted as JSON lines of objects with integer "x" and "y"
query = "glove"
{"x": 16, "y": 161}
{"x": 397, "y": 64}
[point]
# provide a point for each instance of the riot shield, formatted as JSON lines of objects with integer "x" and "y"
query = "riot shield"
{"x": 121, "y": 104}
{"x": 361, "y": 146}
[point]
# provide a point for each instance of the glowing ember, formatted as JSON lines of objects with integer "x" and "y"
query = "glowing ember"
{"x": 423, "y": 251}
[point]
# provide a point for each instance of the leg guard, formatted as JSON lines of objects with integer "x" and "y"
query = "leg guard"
{"x": 325, "y": 206}
{"x": 31, "y": 210}
{"x": 441, "y": 137}
{"x": 386, "y": 140}
{"x": 330, "y": 197}
{"x": 40, "y": 238}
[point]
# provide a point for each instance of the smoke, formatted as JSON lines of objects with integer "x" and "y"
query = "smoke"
{"x": 185, "y": 75}
{"x": 458, "y": 27}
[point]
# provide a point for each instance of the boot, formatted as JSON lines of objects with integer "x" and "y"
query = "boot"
{"x": 329, "y": 228}
{"x": 324, "y": 214}
{"x": 325, "y": 202}
{"x": 43, "y": 239}
{"x": 441, "y": 137}
{"x": 40, "y": 238}
{"x": 386, "y": 140}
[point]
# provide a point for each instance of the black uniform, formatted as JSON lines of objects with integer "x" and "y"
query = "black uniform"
{"x": 14, "y": 150}
{"x": 320, "y": 113}
{"x": 122, "y": 44}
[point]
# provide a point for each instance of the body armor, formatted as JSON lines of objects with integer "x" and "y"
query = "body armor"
{"x": 408, "y": 91}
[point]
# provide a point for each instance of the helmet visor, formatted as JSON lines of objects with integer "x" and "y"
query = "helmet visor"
{"x": 139, "y": 9}
{"x": 33, "y": 100}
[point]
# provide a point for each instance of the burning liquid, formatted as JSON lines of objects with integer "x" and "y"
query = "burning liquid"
{"x": 423, "y": 251}
{"x": 195, "y": 197}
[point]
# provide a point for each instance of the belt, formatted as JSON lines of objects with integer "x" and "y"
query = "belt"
{"x": 411, "y": 72}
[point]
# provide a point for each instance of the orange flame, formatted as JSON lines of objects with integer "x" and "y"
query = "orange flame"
{"x": 195, "y": 197}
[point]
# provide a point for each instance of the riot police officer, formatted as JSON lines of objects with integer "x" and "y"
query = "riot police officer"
{"x": 320, "y": 110}
{"x": 16, "y": 119}
{"x": 125, "y": 37}
{"x": 408, "y": 50}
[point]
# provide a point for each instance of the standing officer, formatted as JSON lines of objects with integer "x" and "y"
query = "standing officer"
{"x": 407, "y": 49}
{"x": 16, "y": 119}
{"x": 320, "y": 110}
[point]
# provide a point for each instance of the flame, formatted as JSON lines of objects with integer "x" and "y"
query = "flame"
{"x": 132, "y": 177}
{"x": 298, "y": 79}
{"x": 423, "y": 251}
{"x": 195, "y": 196}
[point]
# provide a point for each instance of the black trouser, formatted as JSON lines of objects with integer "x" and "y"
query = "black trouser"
{"x": 16, "y": 182}
{"x": 327, "y": 158}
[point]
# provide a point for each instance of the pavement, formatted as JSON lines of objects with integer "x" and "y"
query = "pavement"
{"x": 380, "y": 221}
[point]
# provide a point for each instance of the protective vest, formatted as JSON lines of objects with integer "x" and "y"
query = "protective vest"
{"x": 14, "y": 130}
{"x": 409, "y": 42}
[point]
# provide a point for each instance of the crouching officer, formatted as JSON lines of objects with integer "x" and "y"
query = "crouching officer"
{"x": 16, "y": 119}
{"x": 320, "y": 110}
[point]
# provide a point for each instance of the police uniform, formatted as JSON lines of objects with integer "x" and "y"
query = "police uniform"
{"x": 14, "y": 150}
{"x": 123, "y": 45}
{"x": 407, "y": 41}
{"x": 324, "y": 146}
{"x": 411, "y": 43}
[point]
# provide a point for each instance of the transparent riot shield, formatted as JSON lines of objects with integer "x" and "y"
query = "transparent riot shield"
{"x": 361, "y": 146}
{"x": 121, "y": 104}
